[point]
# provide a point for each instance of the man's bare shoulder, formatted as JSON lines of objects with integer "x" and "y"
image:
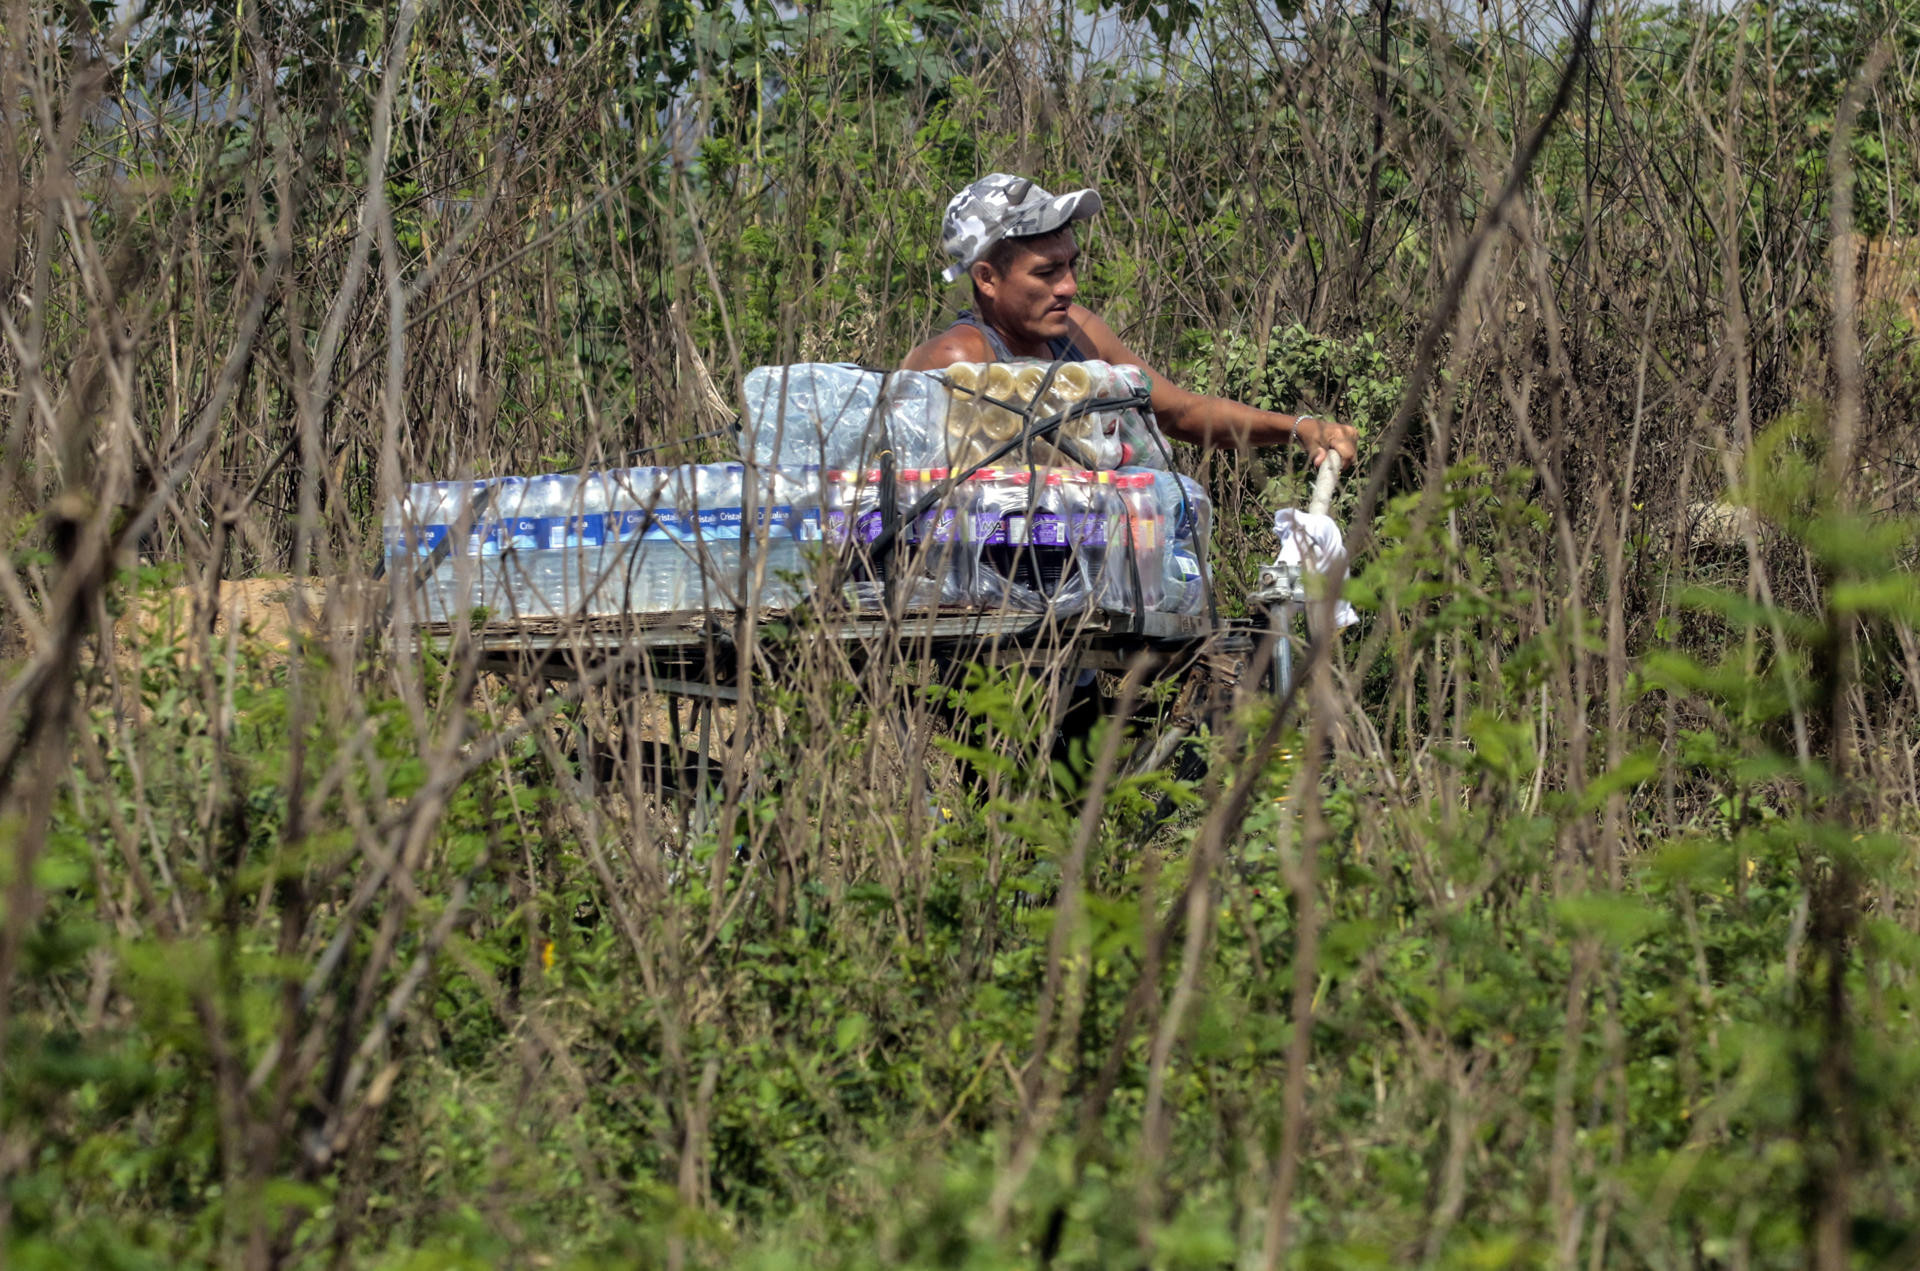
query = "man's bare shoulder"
{"x": 962, "y": 343}
{"x": 1095, "y": 338}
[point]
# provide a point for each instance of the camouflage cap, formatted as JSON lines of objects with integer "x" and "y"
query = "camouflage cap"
{"x": 1001, "y": 206}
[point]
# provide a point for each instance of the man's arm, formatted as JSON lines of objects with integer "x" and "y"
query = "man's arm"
{"x": 1214, "y": 421}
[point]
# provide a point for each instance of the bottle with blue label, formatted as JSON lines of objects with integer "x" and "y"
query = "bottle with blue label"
{"x": 585, "y": 537}
{"x": 535, "y": 543}
{"x": 629, "y": 492}
{"x": 717, "y": 496}
{"x": 480, "y": 519}
{"x": 430, "y": 508}
{"x": 459, "y": 581}
{"x": 666, "y": 564}
{"x": 416, "y": 523}
{"x": 1188, "y": 517}
{"x": 780, "y": 517}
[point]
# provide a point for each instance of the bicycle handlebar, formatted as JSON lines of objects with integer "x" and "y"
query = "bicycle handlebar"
{"x": 1324, "y": 483}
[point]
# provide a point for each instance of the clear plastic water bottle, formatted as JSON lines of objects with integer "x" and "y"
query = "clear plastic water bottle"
{"x": 665, "y": 563}
{"x": 803, "y": 488}
{"x": 717, "y": 490}
{"x": 450, "y": 589}
{"x": 781, "y": 524}
{"x": 513, "y": 545}
{"x": 478, "y": 528}
{"x": 629, "y": 493}
{"x": 480, "y": 519}
{"x": 547, "y": 502}
{"x": 415, "y": 525}
{"x": 398, "y": 528}
{"x": 471, "y": 527}
{"x": 433, "y": 507}
{"x": 584, "y": 535}
{"x": 1135, "y": 582}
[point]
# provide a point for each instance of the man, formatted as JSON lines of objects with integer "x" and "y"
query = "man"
{"x": 1015, "y": 242}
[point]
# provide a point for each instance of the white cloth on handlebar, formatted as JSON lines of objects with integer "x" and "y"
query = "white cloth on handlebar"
{"x": 1315, "y": 543}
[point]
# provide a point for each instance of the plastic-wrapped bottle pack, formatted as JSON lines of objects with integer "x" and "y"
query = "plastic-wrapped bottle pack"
{"x": 820, "y": 413}
{"x": 842, "y": 416}
{"x": 677, "y": 539}
{"x": 442, "y": 547}
{"x": 991, "y": 403}
{"x": 1020, "y": 551}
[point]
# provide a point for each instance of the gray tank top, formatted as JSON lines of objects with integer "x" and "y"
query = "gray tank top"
{"x": 1061, "y": 348}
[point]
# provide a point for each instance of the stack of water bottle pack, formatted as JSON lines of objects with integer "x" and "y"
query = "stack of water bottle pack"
{"x": 983, "y": 514}
{"x": 631, "y": 540}
{"x": 1033, "y": 539}
{"x": 1085, "y": 514}
{"x": 843, "y": 416}
{"x": 654, "y": 540}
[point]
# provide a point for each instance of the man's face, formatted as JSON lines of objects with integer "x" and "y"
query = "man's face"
{"x": 1031, "y": 294}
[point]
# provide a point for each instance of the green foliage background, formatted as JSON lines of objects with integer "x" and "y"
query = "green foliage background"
{"x": 1579, "y": 930}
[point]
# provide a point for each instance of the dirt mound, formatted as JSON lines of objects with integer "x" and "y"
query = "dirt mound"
{"x": 258, "y": 609}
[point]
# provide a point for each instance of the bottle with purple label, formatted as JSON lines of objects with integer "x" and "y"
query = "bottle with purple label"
{"x": 1026, "y": 544}
{"x": 808, "y": 488}
{"x": 930, "y": 547}
{"x": 852, "y": 524}
{"x": 1000, "y": 537}
{"x": 1048, "y": 565}
{"x": 1094, "y": 517}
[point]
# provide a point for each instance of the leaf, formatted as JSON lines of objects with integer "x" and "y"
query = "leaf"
{"x": 1617, "y": 919}
{"x": 1895, "y": 596}
{"x": 850, "y": 1032}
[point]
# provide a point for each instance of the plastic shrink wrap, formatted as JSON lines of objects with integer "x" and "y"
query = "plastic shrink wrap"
{"x": 811, "y": 413}
{"x": 842, "y": 416}
{"x": 1089, "y": 517}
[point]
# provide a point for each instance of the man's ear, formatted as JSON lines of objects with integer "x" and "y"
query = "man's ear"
{"x": 986, "y": 279}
